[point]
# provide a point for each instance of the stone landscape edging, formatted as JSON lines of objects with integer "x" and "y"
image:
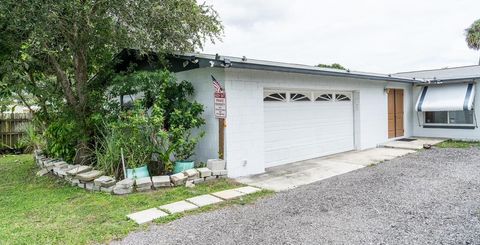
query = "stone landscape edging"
{"x": 88, "y": 178}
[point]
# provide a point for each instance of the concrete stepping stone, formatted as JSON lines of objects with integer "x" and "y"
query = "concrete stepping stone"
{"x": 204, "y": 200}
{"x": 228, "y": 194}
{"x": 178, "y": 207}
{"x": 79, "y": 169}
{"x": 89, "y": 176}
{"x": 248, "y": 189}
{"x": 146, "y": 216}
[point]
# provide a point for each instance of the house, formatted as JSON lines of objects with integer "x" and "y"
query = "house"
{"x": 448, "y": 107}
{"x": 279, "y": 113}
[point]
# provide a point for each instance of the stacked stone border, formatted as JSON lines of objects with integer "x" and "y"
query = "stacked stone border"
{"x": 88, "y": 178}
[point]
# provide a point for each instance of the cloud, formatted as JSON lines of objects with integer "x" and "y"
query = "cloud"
{"x": 370, "y": 35}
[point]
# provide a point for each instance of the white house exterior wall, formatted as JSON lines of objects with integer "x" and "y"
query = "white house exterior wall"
{"x": 207, "y": 148}
{"x": 454, "y": 133}
{"x": 245, "y": 122}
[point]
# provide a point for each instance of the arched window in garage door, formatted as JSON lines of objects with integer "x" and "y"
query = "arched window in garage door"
{"x": 275, "y": 97}
{"x": 294, "y": 97}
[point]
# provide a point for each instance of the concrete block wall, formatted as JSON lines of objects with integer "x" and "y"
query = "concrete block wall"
{"x": 201, "y": 79}
{"x": 244, "y": 133}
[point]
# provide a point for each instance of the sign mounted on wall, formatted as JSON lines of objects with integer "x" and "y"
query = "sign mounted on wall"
{"x": 220, "y": 100}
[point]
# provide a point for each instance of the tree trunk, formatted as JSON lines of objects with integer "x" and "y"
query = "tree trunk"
{"x": 76, "y": 97}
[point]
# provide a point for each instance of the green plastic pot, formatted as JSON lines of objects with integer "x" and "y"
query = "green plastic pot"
{"x": 136, "y": 173}
{"x": 181, "y": 166}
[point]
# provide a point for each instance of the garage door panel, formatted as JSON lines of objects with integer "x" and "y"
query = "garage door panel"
{"x": 296, "y": 131}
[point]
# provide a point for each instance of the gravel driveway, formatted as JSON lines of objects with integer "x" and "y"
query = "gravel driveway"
{"x": 429, "y": 197}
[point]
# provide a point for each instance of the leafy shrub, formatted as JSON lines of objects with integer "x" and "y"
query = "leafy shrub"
{"x": 160, "y": 123}
{"x": 32, "y": 140}
{"x": 61, "y": 136}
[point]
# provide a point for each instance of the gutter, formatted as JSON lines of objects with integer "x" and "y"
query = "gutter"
{"x": 318, "y": 72}
{"x": 226, "y": 63}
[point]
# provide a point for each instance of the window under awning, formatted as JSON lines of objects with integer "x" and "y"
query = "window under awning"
{"x": 446, "y": 97}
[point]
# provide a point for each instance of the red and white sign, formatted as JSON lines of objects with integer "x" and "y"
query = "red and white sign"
{"x": 220, "y": 104}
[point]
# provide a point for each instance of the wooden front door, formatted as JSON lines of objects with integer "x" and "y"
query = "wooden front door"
{"x": 395, "y": 113}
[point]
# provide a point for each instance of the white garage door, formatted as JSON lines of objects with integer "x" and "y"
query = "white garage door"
{"x": 305, "y": 125}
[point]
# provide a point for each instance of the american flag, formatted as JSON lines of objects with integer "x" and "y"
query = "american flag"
{"x": 217, "y": 85}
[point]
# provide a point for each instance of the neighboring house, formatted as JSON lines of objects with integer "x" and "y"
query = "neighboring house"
{"x": 279, "y": 113}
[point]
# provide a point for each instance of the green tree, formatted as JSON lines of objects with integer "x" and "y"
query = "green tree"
{"x": 333, "y": 66}
{"x": 72, "y": 40}
{"x": 473, "y": 36}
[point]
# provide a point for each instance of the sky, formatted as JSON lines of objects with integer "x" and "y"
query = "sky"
{"x": 382, "y": 36}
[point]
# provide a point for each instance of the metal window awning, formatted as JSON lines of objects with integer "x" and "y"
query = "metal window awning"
{"x": 446, "y": 97}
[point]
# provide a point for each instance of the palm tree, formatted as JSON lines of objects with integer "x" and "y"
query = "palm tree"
{"x": 473, "y": 36}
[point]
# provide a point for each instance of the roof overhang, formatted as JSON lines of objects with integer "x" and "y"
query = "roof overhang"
{"x": 202, "y": 61}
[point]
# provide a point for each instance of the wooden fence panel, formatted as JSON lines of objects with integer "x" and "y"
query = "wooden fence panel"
{"x": 12, "y": 128}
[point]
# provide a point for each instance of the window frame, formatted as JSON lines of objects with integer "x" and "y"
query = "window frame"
{"x": 311, "y": 95}
{"x": 448, "y": 124}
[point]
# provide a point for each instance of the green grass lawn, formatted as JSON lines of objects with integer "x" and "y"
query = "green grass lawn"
{"x": 45, "y": 210}
{"x": 458, "y": 144}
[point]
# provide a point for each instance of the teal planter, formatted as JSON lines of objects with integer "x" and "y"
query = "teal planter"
{"x": 181, "y": 166}
{"x": 137, "y": 173}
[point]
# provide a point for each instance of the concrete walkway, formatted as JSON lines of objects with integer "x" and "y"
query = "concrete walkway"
{"x": 416, "y": 144}
{"x": 192, "y": 203}
{"x": 296, "y": 174}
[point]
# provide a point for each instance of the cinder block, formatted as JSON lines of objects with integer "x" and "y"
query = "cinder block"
{"x": 161, "y": 181}
{"x": 191, "y": 173}
{"x": 122, "y": 191}
{"x": 220, "y": 172}
{"x": 199, "y": 180}
{"x": 90, "y": 175}
{"x": 204, "y": 172}
{"x": 125, "y": 184}
{"x": 209, "y": 178}
{"x": 178, "y": 179}
{"x": 216, "y": 164}
{"x": 104, "y": 181}
{"x": 79, "y": 169}
{"x": 144, "y": 184}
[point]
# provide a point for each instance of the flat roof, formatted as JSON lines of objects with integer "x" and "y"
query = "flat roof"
{"x": 445, "y": 74}
{"x": 210, "y": 60}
